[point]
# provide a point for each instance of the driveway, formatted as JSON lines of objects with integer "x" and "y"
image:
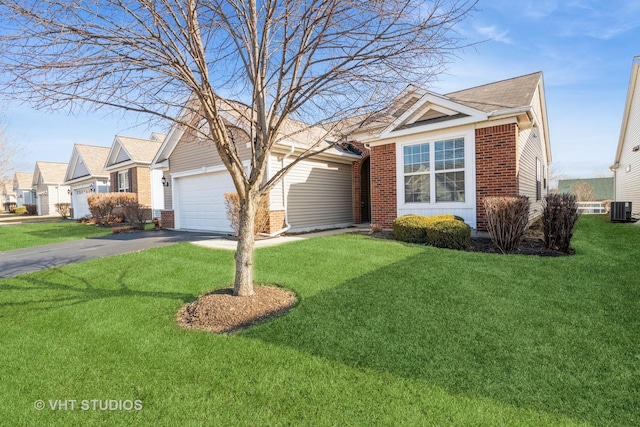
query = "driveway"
{"x": 27, "y": 260}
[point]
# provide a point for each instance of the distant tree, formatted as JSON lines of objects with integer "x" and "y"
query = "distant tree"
{"x": 583, "y": 191}
{"x": 287, "y": 61}
{"x": 8, "y": 153}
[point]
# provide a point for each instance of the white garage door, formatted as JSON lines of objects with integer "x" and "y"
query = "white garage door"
{"x": 79, "y": 202}
{"x": 199, "y": 203}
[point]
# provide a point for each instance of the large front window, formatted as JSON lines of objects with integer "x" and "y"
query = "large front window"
{"x": 444, "y": 182}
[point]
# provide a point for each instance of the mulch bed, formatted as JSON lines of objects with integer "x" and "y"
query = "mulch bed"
{"x": 221, "y": 312}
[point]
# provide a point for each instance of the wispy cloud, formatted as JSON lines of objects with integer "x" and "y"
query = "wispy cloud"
{"x": 492, "y": 32}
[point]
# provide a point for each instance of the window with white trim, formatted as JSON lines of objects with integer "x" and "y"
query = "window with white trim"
{"x": 444, "y": 182}
{"x": 123, "y": 181}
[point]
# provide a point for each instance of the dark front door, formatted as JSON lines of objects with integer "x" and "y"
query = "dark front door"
{"x": 365, "y": 191}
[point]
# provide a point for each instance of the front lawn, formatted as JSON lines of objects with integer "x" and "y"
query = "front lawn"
{"x": 385, "y": 334}
{"x": 16, "y": 236}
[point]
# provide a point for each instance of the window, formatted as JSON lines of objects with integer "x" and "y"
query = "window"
{"x": 123, "y": 181}
{"x": 447, "y": 174}
{"x": 538, "y": 179}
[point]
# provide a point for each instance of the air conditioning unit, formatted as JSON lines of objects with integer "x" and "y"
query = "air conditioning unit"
{"x": 620, "y": 211}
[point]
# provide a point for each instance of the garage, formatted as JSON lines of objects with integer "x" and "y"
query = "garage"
{"x": 200, "y": 202}
{"x": 80, "y": 203}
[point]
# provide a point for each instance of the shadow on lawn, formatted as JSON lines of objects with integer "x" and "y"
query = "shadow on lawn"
{"x": 471, "y": 330}
{"x": 64, "y": 289}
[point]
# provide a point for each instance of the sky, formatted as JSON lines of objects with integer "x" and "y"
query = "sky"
{"x": 584, "y": 48}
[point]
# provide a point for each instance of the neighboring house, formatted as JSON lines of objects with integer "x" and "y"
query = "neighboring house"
{"x": 626, "y": 169}
{"x": 8, "y": 196}
{"x": 433, "y": 154}
{"x": 317, "y": 193}
{"x": 601, "y": 188}
{"x": 85, "y": 175}
{"x": 48, "y": 183}
{"x": 23, "y": 188}
{"x": 128, "y": 164}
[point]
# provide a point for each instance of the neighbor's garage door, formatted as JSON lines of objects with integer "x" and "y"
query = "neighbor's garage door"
{"x": 199, "y": 202}
{"x": 79, "y": 202}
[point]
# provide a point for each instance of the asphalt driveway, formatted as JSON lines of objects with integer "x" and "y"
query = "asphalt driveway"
{"x": 27, "y": 260}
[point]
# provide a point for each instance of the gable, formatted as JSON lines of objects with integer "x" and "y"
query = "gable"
{"x": 121, "y": 155}
{"x": 80, "y": 169}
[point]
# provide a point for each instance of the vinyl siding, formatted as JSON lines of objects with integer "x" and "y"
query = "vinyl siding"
{"x": 628, "y": 173}
{"x": 530, "y": 149}
{"x": 318, "y": 194}
{"x": 80, "y": 171}
{"x": 191, "y": 154}
{"x": 122, "y": 156}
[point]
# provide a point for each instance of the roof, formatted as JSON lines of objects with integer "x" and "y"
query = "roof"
{"x": 94, "y": 158}
{"x": 140, "y": 150}
{"x": 502, "y": 95}
{"x": 51, "y": 172}
{"x": 602, "y": 187}
{"x": 23, "y": 179}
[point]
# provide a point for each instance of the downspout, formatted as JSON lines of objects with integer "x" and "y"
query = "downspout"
{"x": 287, "y": 226}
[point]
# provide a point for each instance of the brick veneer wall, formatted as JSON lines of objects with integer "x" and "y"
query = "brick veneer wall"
{"x": 357, "y": 182}
{"x": 276, "y": 221}
{"x": 141, "y": 184}
{"x": 495, "y": 166}
{"x": 167, "y": 219}
{"x": 383, "y": 185}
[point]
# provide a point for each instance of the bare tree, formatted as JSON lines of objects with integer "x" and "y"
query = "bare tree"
{"x": 583, "y": 191}
{"x": 309, "y": 62}
{"x": 8, "y": 153}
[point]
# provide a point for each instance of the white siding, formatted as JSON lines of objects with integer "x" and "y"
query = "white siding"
{"x": 628, "y": 174}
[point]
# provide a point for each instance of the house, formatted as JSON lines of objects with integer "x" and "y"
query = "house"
{"x": 48, "y": 183}
{"x": 22, "y": 187}
{"x": 8, "y": 196}
{"x": 128, "y": 164}
{"x": 317, "y": 192}
{"x": 626, "y": 168}
{"x": 433, "y": 154}
{"x": 86, "y": 175}
{"x": 588, "y": 189}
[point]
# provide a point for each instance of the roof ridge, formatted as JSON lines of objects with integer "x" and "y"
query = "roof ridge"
{"x": 493, "y": 83}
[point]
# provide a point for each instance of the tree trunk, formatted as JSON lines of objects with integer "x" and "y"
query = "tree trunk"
{"x": 243, "y": 284}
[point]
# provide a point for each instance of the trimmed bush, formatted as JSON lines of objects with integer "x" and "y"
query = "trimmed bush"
{"x": 232, "y": 203}
{"x": 507, "y": 220}
{"x": 443, "y": 231}
{"x": 559, "y": 218}
{"x": 22, "y": 210}
{"x": 449, "y": 233}
{"x": 102, "y": 206}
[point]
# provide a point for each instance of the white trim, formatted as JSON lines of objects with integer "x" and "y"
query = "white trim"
{"x": 204, "y": 170}
{"x": 466, "y": 209}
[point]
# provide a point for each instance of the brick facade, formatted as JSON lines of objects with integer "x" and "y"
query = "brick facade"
{"x": 357, "y": 182}
{"x": 383, "y": 185}
{"x": 276, "y": 221}
{"x": 495, "y": 166}
{"x": 140, "y": 183}
{"x": 167, "y": 219}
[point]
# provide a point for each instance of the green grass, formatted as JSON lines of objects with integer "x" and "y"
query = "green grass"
{"x": 385, "y": 334}
{"x": 16, "y": 236}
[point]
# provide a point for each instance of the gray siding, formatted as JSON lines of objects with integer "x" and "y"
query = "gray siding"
{"x": 122, "y": 156}
{"x": 627, "y": 178}
{"x": 319, "y": 195}
{"x": 80, "y": 171}
{"x": 530, "y": 149}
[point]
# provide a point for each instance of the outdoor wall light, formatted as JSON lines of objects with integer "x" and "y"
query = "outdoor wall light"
{"x": 165, "y": 182}
{"x": 69, "y": 191}
{"x": 91, "y": 188}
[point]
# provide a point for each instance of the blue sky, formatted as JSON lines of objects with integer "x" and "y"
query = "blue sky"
{"x": 584, "y": 48}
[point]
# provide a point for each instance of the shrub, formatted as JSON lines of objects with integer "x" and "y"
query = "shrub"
{"x": 136, "y": 214}
{"x": 103, "y": 205}
{"x": 507, "y": 219}
{"x": 232, "y": 203}
{"x": 64, "y": 209}
{"x": 559, "y": 218}
{"x": 21, "y": 210}
{"x": 32, "y": 208}
{"x": 449, "y": 233}
{"x": 445, "y": 231}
